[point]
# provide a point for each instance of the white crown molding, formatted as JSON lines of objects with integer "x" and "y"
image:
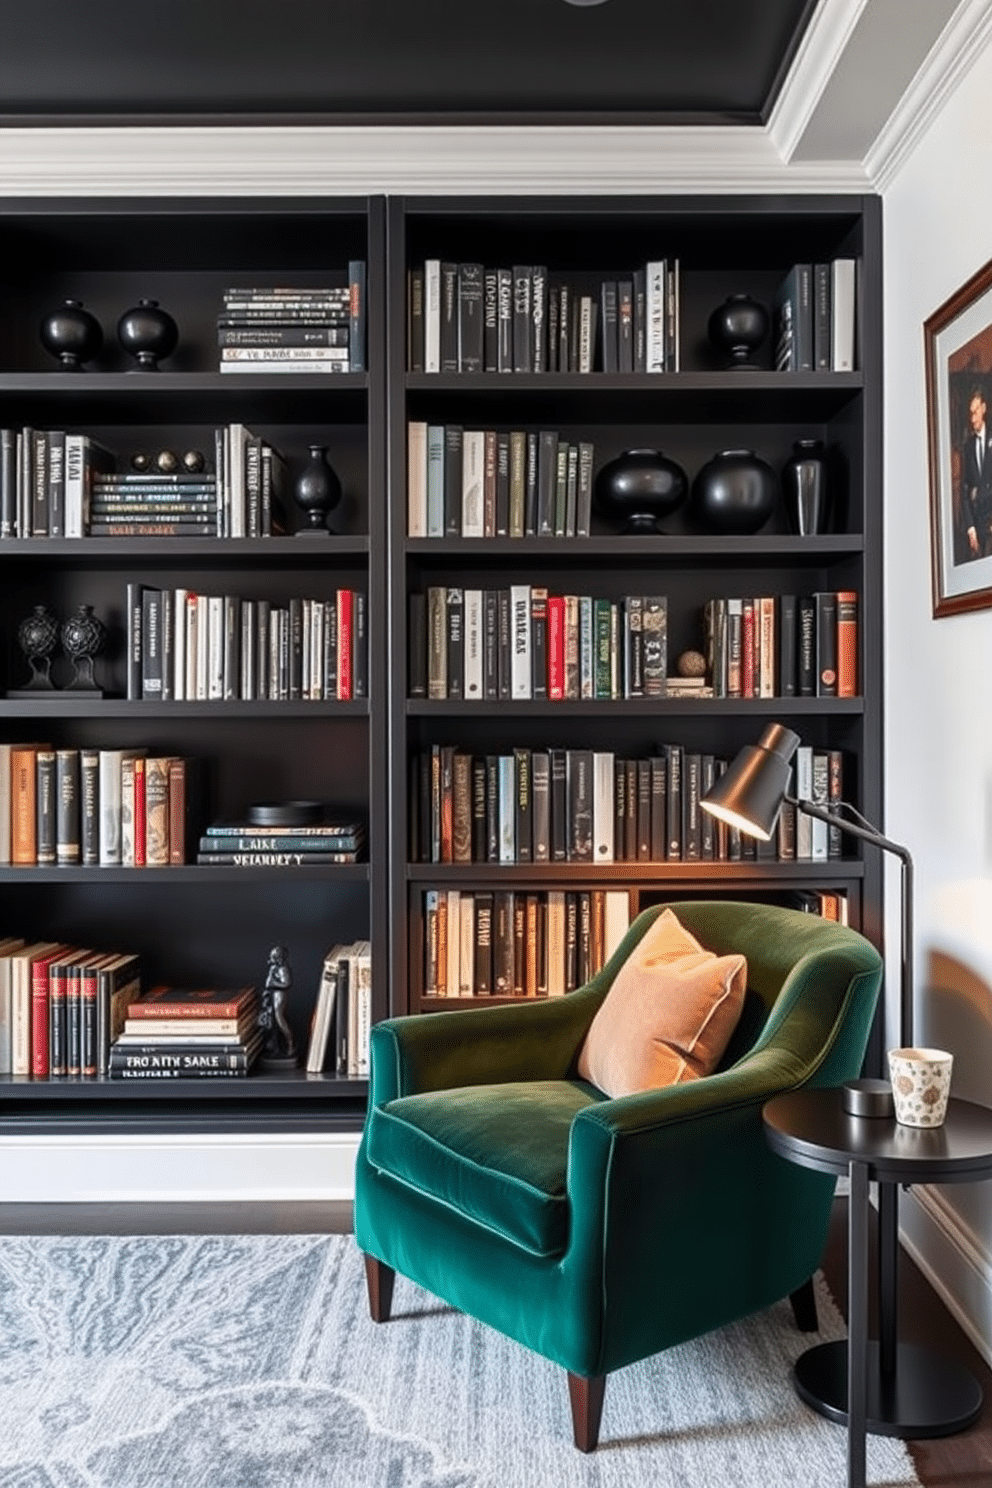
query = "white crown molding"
{"x": 297, "y": 160}
{"x": 821, "y": 48}
{"x": 962, "y": 41}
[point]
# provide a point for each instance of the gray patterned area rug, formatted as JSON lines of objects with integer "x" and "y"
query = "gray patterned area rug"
{"x": 251, "y": 1362}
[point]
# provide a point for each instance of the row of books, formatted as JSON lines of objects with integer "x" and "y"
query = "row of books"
{"x": 242, "y": 844}
{"x": 295, "y": 328}
{"x": 783, "y": 645}
{"x": 522, "y": 642}
{"x": 61, "y": 1007}
{"x": 465, "y": 317}
{"x": 342, "y": 1018}
{"x": 179, "y": 1033}
{"x": 592, "y": 806}
{"x": 496, "y": 483}
{"x": 189, "y": 647}
{"x": 813, "y": 318}
{"x": 95, "y": 807}
{"x": 516, "y": 944}
{"x": 829, "y": 904}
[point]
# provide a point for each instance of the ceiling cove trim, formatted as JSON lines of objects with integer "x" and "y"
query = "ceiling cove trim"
{"x": 960, "y": 44}
{"x": 350, "y": 160}
{"x": 823, "y": 44}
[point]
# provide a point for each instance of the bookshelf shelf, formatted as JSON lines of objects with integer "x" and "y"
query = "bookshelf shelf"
{"x": 644, "y": 709}
{"x": 221, "y": 552}
{"x": 592, "y": 875}
{"x": 190, "y": 873}
{"x": 64, "y": 705}
{"x": 569, "y": 552}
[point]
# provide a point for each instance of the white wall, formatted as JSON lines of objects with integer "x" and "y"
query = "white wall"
{"x": 938, "y": 232}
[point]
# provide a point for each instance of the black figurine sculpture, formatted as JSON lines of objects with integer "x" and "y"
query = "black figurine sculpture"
{"x": 278, "y": 1048}
{"x": 38, "y": 638}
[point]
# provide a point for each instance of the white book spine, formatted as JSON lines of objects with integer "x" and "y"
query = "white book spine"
{"x": 466, "y": 955}
{"x": 416, "y": 479}
{"x": 75, "y": 478}
{"x": 202, "y": 646}
{"x": 556, "y": 943}
{"x": 804, "y": 792}
{"x": 473, "y": 469}
{"x": 109, "y": 775}
{"x": 20, "y": 1016}
{"x": 432, "y": 315}
{"x": 317, "y": 652}
{"x": 507, "y": 810}
{"x": 363, "y": 963}
{"x": 5, "y": 803}
{"x": 215, "y": 646}
{"x": 452, "y": 972}
{"x": 192, "y": 644}
{"x": 616, "y": 920}
{"x": 587, "y": 647}
{"x": 520, "y": 662}
{"x": 473, "y": 644}
{"x": 843, "y": 273}
{"x": 655, "y": 316}
{"x": 179, "y": 597}
{"x": 603, "y": 808}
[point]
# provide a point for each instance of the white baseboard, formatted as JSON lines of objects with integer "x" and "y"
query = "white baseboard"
{"x": 169, "y": 1169}
{"x": 955, "y": 1260}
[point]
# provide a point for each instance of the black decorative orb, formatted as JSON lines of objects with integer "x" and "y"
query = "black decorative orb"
{"x": 194, "y": 461}
{"x": 148, "y": 333}
{"x": 166, "y": 461}
{"x": 72, "y": 334}
{"x": 734, "y": 493}
{"x": 737, "y": 328}
{"x": 38, "y": 638}
{"x": 639, "y": 488}
{"x": 84, "y": 636}
{"x": 317, "y": 489}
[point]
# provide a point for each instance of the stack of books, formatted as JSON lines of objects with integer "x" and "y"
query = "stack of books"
{"x": 340, "y": 1031}
{"x": 153, "y": 505}
{"x": 294, "y": 329}
{"x": 241, "y": 844}
{"x": 174, "y": 1033}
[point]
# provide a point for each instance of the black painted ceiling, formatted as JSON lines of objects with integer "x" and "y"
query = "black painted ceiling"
{"x": 677, "y": 61}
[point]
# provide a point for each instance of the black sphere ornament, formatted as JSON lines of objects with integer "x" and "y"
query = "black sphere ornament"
{"x": 734, "y": 493}
{"x": 737, "y": 328}
{"x": 148, "y": 333}
{"x": 84, "y": 636}
{"x": 38, "y": 638}
{"x": 639, "y": 488}
{"x": 72, "y": 334}
{"x": 317, "y": 491}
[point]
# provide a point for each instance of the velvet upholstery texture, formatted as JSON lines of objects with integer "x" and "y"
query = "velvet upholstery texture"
{"x": 599, "y": 1231}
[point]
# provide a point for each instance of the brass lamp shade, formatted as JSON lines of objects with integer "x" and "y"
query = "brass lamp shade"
{"x": 750, "y": 792}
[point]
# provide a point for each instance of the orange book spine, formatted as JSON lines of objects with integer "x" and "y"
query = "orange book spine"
{"x": 24, "y": 795}
{"x": 847, "y": 643}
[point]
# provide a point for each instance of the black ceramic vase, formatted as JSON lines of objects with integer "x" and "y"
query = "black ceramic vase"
{"x": 805, "y": 488}
{"x": 84, "y": 636}
{"x": 148, "y": 333}
{"x": 737, "y": 329}
{"x": 317, "y": 491}
{"x": 639, "y": 488}
{"x": 72, "y": 334}
{"x": 38, "y": 638}
{"x": 734, "y": 493}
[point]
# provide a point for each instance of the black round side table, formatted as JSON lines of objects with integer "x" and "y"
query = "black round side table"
{"x": 884, "y": 1387}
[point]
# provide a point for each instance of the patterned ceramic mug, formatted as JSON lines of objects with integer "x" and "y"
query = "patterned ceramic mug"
{"x": 921, "y": 1084}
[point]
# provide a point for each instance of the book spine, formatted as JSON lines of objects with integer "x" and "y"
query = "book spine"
{"x": 89, "y": 807}
{"x": 826, "y": 643}
{"x": 68, "y": 846}
{"x": 46, "y": 851}
{"x": 357, "y": 315}
{"x": 847, "y": 643}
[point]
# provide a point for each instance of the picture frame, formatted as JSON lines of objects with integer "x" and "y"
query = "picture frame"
{"x": 958, "y": 352}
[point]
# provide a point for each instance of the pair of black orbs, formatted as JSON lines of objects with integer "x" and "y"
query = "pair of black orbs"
{"x": 74, "y": 335}
{"x": 734, "y": 493}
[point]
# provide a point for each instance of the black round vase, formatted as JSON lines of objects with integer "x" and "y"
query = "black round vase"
{"x": 72, "y": 334}
{"x": 148, "y": 333}
{"x": 737, "y": 328}
{"x": 805, "y": 488}
{"x": 317, "y": 491}
{"x": 639, "y": 488}
{"x": 734, "y": 493}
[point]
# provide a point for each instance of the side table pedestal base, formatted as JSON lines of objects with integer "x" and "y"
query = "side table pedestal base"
{"x": 927, "y": 1395}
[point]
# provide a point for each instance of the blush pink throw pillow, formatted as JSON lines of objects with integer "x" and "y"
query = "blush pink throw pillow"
{"x": 667, "y": 1017}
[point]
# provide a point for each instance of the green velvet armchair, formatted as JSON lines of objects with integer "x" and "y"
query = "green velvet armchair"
{"x": 598, "y": 1231}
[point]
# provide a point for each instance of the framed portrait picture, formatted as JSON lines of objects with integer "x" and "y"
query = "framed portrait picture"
{"x": 958, "y": 348}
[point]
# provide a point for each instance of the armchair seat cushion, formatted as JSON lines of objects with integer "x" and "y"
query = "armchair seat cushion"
{"x": 496, "y": 1153}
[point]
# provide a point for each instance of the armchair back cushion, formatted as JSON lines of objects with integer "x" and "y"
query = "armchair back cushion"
{"x": 668, "y": 1015}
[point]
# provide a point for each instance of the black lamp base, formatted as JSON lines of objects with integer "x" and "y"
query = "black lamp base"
{"x": 926, "y": 1395}
{"x": 868, "y": 1098}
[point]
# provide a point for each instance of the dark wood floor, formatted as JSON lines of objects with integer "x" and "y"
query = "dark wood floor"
{"x": 963, "y": 1461}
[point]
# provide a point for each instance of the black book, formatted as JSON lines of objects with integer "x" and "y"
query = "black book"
{"x": 135, "y": 613}
{"x": 483, "y": 944}
{"x": 39, "y": 489}
{"x": 630, "y": 812}
{"x": 643, "y": 811}
{"x": 456, "y": 642}
{"x": 519, "y": 944}
{"x": 342, "y": 1013}
{"x": 539, "y": 318}
{"x": 659, "y": 805}
{"x": 45, "y": 825}
{"x": 470, "y": 317}
{"x": 806, "y": 647}
{"x": 295, "y": 647}
{"x": 619, "y": 810}
{"x": 692, "y": 832}
{"x": 490, "y": 644}
{"x": 502, "y": 484}
{"x": 822, "y": 315}
{"x": 89, "y": 807}
{"x": 565, "y": 314}
{"x": 826, "y": 643}
{"x": 673, "y": 764}
{"x": 787, "y": 645}
{"x": 559, "y": 806}
{"x": 68, "y": 821}
{"x": 449, "y": 317}
{"x": 504, "y": 306}
{"x": 416, "y": 647}
{"x": 415, "y": 318}
{"x": 490, "y": 320}
{"x": 359, "y": 645}
{"x": 540, "y": 786}
{"x": 492, "y": 808}
{"x": 554, "y": 323}
{"x": 452, "y": 480}
{"x": 523, "y": 804}
{"x": 479, "y": 820}
{"x": 356, "y": 315}
{"x": 608, "y": 319}
{"x": 532, "y": 485}
{"x": 580, "y": 793}
{"x": 707, "y": 778}
{"x": 523, "y": 325}
{"x": 502, "y": 942}
{"x": 503, "y": 651}
{"x": 547, "y": 467}
{"x": 571, "y": 941}
{"x": 625, "y": 326}
{"x": 56, "y": 483}
{"x": 539, "y": 642}
{"x": 151, "y": 643}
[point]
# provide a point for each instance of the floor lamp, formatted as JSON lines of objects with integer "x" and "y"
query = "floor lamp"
{"x": 749, "y": 795}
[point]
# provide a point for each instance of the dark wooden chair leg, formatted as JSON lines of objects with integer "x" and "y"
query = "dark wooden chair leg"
{"x": 803, "y": 1301}
{"x": 379, "y": 1279}
{"x": 586, "y": 1395}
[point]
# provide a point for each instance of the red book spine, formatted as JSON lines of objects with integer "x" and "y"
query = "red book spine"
{"x": 39, "y": 1019}
{"x": 556, "y": 646}
{"x": 747, "y": 649}
{"x": 344, "y": 644}
{"x": 140, "y": 816}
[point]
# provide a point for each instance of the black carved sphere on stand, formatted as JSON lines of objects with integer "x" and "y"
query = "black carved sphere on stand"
{"x": 639, "y": 488}
{"x": 84, "y": 636}
{"x": 148, "y": 333}
{"x": 317, "y": 489}
{"x": 737, "y": 328}
{"x": 72, "y": 334}
{"x": 38, "y": 638}
{"x": 734, "y": 493}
